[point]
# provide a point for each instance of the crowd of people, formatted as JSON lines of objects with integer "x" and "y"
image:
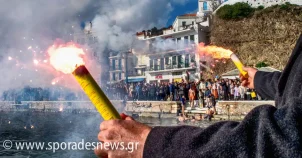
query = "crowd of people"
{"x": 203, "y": 91}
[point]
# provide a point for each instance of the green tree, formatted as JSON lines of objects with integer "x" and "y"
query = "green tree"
{"x": 237, "y": 11}
{"x": 261, "y": 64}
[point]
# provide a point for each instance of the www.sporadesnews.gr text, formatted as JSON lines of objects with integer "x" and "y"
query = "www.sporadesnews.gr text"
{"x": 55, "y": 146}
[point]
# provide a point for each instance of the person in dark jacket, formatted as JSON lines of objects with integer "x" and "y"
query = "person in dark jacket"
{"x": 171, "y": 90}
{"x": 225, "y": 90}
{"x": 266, "y": 131}
{"x": 152, "y": 92}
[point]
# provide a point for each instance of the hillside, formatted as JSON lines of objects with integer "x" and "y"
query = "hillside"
{"x": 268, "y": 36}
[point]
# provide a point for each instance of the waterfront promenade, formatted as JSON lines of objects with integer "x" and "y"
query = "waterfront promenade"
{"x": 231, "y": 110}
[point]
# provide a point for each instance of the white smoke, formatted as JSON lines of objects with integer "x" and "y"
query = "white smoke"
{"x": 29, "y": 27}
{"x": 116, "y": 26}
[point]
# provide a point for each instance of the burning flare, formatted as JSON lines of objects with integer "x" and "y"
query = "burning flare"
{"x": 66, "y": 58}
{"x": 214, "y": 51}
{"x": 69, "y": 59}
{"x": 221, "y": 53}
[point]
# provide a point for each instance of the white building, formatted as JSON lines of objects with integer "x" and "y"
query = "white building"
{"x": 121, "y": 65}
{"x": 265, "y": 3}
{"x": 172, "y": 64}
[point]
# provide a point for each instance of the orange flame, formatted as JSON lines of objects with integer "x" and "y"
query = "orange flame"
{"x": 66, "y": 57}
{"x": 214, "y": 51}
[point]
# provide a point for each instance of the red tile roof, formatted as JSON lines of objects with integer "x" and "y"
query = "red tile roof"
{"x": 193, "y": 14}
{"x": 139, "y": 33}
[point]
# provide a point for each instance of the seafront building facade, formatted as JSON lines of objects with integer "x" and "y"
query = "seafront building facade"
{"x": 171, "y": 54}
{"x": 122, "y": 65}
{"x": 172, "y": 64}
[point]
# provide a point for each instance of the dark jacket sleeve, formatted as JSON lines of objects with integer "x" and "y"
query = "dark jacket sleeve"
{"x": 266, "y": 84}
{"x": 263, "y": 133}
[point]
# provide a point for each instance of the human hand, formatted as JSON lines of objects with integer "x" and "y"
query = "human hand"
{"x": 128, "y": 132}
{"x": 248, "y": 82}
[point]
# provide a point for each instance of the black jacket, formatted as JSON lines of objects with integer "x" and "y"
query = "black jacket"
{"x": 267, "y": 131}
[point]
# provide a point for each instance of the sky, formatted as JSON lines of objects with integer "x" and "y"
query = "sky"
{"x": 29, "y": 27}
{"x": 184, "y": 7}
{"x": 179, "y": 7}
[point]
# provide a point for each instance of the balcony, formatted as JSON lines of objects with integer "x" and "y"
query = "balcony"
{"x": 172, "y": 67}
{"x": 112, "y": 68}
{"x": 186, "y": 27}
{"x": 132, "y": 74}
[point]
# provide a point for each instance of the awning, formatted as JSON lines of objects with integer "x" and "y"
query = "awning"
{"x": 130, "y": 80}
{"x": 177, "y": 80}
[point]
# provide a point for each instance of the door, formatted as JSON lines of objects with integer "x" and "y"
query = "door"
{"x": 205, "y": 5}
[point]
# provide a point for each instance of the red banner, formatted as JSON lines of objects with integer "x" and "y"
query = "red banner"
{"x": 159, "y": 76}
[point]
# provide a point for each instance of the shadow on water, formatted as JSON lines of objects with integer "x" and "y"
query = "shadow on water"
{"x": 60, "y": 127}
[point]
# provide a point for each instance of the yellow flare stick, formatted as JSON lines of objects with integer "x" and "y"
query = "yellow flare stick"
{"x": 95, "y": 93}
{"x": 239, "y": 65}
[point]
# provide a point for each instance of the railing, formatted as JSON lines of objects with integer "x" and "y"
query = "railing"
{"x": 111, "y": 68}
{"x": 186, "y": 27}
{"x": 169, "y": 67}
{"x": 136, "y": 74}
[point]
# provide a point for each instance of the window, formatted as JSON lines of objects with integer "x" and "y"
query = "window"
{"x": 113, "y": 64}
{"x": 117, "y": 65}
{"x": 180, "y": 61}
{"x": 167, "y": 60}
{"x": 151, "y": 63}
{"x": 174, "y": 60}
{"x": 205, "y": 5}
{"x": 162, "y": 64}
{"x": 193, "y": 58}
{"x": 120, "y": 64}
{"x": 120, "y": 76}
{"x": 155, "y": 61}
{"x": 186, "y": 39}
{"x": 113, "y": 76}
{"x": 187, "y": 58}
{"x": 192, "y": 22}
{"x": 192, "y": 38}
{"x": 183, "y": 23}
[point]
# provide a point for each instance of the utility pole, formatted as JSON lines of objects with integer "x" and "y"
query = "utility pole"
{"x": 126, "y": 72}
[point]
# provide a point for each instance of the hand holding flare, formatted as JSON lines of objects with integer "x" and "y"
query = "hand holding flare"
{"x": 239, "y": 65}
{"x": 67, "y": 59}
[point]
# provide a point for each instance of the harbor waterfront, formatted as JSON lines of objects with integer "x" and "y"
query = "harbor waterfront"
{"x": 53, "y": 125}
{"x": 226, "y": 110}
{"x": 76, "y": 121}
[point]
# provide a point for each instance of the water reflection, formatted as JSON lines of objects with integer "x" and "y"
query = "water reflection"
{"x": 60, "y": 127}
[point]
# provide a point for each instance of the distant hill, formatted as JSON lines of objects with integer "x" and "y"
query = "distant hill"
{"x": 268, "y": 36}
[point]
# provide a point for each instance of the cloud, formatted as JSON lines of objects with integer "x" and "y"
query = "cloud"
{"x": 27, "y": 28}
{"x": 116, "y": 26}
{"x": 36, "y": 24}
